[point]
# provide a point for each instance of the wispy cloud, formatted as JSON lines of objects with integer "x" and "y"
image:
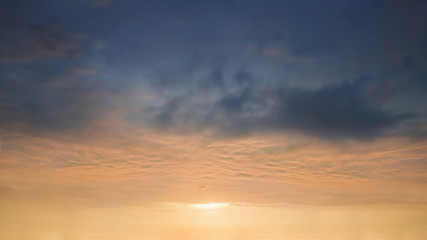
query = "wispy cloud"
{"x": 38, "y": 42}
{"x": 122, "y": 169}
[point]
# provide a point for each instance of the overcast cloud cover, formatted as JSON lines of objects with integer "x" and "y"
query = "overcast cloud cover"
{"x": 331, "y": 69}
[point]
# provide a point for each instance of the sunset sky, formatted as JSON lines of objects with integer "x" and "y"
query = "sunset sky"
{"x": 213, "y": 120}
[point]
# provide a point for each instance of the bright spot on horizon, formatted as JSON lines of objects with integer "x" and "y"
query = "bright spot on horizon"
{"x": 209, "y": 205}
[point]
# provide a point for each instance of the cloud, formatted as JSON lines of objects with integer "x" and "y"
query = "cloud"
{"x": 165, "y": 116}
{"x": 48, "y": 81}
{"x": 340, "y": 111}
{"x": 151, "y": 168}
{"x": 305, "y": 55}
{"x": 53, "y": 101}
{"x": 37, "y": 42}
{"x": 408, "y": 76}
{"x": 234, "y": 103}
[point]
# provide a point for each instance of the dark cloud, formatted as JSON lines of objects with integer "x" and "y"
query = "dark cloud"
{"x": 234, "y": 103}
{"x": 412, "y": 73}
{"x": 335, "y": 112}
{"x": 404, "y": 84}
{"x": 227, "y": 66}
{"x": 341, "y": 111}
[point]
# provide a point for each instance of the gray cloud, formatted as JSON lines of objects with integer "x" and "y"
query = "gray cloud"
{"x": 341, "y": 111}
{"x": 335, "y": 112}
{"x": 202, "y": 74}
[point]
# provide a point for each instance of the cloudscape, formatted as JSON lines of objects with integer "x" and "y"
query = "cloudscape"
{"x": 126, "y": 119}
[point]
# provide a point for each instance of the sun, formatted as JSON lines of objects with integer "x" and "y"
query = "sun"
{"x": 209, "y": 205}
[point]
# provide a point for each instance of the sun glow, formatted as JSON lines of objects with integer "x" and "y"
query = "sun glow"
{"x": 209, "y": 205}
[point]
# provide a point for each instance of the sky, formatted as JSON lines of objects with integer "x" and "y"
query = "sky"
{"x": 185, "y": 119}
